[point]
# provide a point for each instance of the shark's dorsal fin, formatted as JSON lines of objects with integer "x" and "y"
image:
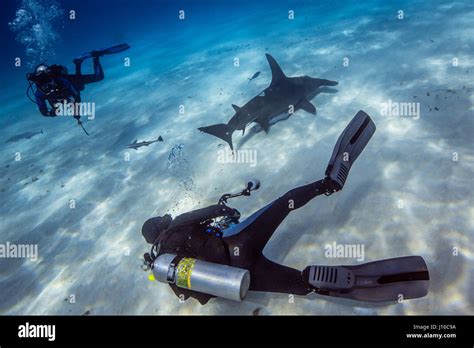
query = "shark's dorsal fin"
{"x": 135, "y": 141}
{"x": 236, "y": 108}
{"x": 277, "y": 73}
{"x": 306, "y": 105}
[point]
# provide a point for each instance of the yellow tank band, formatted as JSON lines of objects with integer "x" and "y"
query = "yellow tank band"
{"x": 185, "y": 269}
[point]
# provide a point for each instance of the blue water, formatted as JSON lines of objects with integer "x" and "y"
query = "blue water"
{"x": 92, "y": 252}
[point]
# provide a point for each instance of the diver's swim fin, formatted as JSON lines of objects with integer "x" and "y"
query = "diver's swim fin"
{"x": 385, "y": 280}
{"x": 222, "y": 131}
{"x": 114, "y": 49}
{"x": 103, "y": 51}
{"x": 350, "y": 144}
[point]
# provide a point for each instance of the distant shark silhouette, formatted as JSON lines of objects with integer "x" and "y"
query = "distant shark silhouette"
{"x": 274, "y": 100}
{"x": 136, "y": 145}
{"x": 27, "y": 135}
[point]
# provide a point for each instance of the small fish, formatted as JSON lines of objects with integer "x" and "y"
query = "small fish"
{"x": 27, "y": 135}
{"x": 254, "y": 76}
{"x": 136, "y": 145}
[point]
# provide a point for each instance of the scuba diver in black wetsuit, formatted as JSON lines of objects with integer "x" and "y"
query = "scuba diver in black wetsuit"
{"x": 55, "y": 86}
{"x": 208, "y": 253}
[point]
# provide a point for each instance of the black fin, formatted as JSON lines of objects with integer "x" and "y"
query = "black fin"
{"x": 378, "y": 281}
{"x": 102, "y": 51}
{"x": 277, "y": 73}
{"x": 222, "y": 131}
{"x": 236, "y": 108}
{"x": 306, "y": 105}
{"x": 264, "y": 123}
{"x": 349, "y": 146}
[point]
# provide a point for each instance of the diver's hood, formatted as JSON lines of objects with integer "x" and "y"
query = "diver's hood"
{"x": 43, "y": 72}
{"x": 152, "y": 227}
{"x": 40, "y": 72}
{"x": 41, "y": 69}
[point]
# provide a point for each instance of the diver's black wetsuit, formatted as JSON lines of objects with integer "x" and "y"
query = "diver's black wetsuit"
{"x": 252, "y": 235}
{"x": 243, "y": 243}
{"x": 66, "y": 87}
{"x": 80, "y": 80}
{"x": 204, "y": 234}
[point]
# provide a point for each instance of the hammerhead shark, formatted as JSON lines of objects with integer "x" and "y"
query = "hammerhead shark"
{"x": 285, "y": 94}
{"x": 136, "y": 145}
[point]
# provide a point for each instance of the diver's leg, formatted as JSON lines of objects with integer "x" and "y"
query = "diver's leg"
{"x": 78, "y": 64}
{"x": 248, "y": 239}
{"x": 377, "y": 281}
{"x": 76, "y": 79}
{"x": 269, "y": 276}
{"x": 98, "y": 74}
{"x": 98, "y": 70}
{"x": 251, "y": 236}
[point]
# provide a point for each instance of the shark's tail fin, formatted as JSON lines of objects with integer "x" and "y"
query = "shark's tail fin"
{"x": 41, "y": 131}
{"x": 220, "y": 130}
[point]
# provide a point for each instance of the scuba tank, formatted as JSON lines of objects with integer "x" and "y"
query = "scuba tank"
{"x": 183, "y": 268}
{"x": 207, "y": 277}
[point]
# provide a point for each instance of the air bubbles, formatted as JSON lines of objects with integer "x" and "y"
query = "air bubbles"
{"x": 34, "y": 27}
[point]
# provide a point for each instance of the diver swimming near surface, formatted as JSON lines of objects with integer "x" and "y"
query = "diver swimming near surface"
{"x": 56, "y": 87}
{"x": 209, "y": 253}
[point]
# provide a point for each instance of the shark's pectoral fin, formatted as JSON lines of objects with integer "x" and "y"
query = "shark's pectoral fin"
{"x": 277, "y": 73}
{"x": 264, "y": 123}
{"x": 306, "y": 105}
{"x": 222, "y": 131}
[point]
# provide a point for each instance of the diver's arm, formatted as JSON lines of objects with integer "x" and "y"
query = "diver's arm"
{"x": 43, "y": 108}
